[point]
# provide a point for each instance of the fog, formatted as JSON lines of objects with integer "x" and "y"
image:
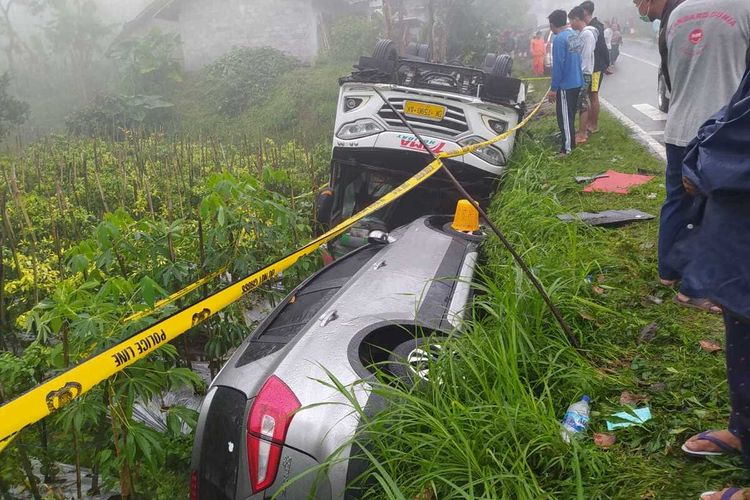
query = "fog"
{"x": 63, "y": 55}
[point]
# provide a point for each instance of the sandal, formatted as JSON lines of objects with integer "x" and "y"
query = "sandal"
{"x": 702, "y": 304}
{"x": 725, "y": 448}
{"x": 666, "y": 282}
{"x": 727, "y": 495}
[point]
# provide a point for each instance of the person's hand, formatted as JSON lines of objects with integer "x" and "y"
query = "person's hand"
{"x": 608, "y": 71}
{"x": 690, "y": 188}
{"x": 552, "y": 96}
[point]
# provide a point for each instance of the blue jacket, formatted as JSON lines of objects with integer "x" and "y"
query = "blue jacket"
{"x": 566, "y": 61}
{"x": 717, "y": 162}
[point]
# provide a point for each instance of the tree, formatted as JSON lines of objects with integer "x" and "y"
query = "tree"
{"x": 12, "y": 111}
{"x": 149, "y": 65}
{"x": 472, "y": 26}
{"x": 14, "y": 44}
{"x": 77, "y": 32}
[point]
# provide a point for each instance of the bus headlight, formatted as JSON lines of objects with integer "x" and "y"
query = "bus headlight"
{"x": 359, "y": 128}
{"x": 490, "y": 154}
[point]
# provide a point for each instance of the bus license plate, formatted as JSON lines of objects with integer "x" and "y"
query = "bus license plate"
{"x": 432, "y": 112}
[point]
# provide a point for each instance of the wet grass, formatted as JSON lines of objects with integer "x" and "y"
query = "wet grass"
{"x": 490, "y": 429}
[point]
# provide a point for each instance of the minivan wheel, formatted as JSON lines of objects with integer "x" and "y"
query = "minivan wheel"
{"x": 412, "y": 360}
{"x": 503, "y": 66}
{"x": 385, "y": 50}
{"x": 424, "y": 51}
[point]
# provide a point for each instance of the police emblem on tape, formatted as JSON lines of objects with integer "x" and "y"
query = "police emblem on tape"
{"x": 62, "y": 396}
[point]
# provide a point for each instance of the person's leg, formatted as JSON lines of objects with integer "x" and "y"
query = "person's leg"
{"x": 572, "y": 107}
{"x": 562, "y": 120}
{"x": 738, "y": 375}
{"x": 566, "y": 128}
{"x": 674, "y": 220}
{"x": 538, "y": 66}
{"x": 594, "y": 112}
{"x": 583, "y": 107}
{"x": 583, "y": 120}
{"x": 596, "y": 82}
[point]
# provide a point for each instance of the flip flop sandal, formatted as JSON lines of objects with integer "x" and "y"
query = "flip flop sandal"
{"x": 701, "y": 304}
{"x": 726, "y": 496}
{"x": 706, "y": 436}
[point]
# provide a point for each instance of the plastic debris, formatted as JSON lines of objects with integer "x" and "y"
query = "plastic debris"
{"x": 625, "y": 419}
{"x": 584, "y": 178}
{"x": 609, "y": 218}
{"x": 576, "y": 419}
{"x": 617, "y": 182}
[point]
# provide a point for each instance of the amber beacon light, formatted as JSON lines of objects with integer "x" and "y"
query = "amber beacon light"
{"x": 466, "y": 218}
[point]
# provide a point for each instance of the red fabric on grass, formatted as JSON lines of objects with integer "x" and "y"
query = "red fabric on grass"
{"x": 617, "y": 182}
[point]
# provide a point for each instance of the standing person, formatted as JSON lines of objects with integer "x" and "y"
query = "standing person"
{"x": 616, "y": 42}
{"x": 538, "y": 50}
{"x": 525, "y": 42}
{"x": 510, "y": 45}
{"x": 703, "y": 60}
{"x": 567, "y": 77}
{"x": 588, "y": 35}
{"x": 608, "y": 34}
{"x": 705, "y": 46}
{"x": 717, "y": 170}
{"x": 601, "y": 64}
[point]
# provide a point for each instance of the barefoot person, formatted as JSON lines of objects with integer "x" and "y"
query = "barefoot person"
{"x": 588, "y": 36}
{"x": 703, "y": 60}
{"x": 567, "y": 78}
{"x": 601, "y": 65}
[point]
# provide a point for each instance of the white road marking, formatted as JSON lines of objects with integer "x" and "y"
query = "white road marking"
{"x": 644, "y": 61}
{"x": 655, "y": 114}
{"x": 641, "y": 135}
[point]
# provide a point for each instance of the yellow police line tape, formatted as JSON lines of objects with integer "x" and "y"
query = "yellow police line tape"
{"x": 42, "y": 400}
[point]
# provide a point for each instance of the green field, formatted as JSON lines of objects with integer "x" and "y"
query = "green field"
{"x": 492, "y": 430}
{"x": 96, "y": 229}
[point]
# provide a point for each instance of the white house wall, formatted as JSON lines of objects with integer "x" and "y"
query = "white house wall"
{"x": 211, "y": 28}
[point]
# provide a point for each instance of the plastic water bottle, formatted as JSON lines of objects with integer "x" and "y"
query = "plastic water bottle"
{"x": 576, "y": 419}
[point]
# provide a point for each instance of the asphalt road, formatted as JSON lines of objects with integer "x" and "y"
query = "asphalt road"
{"x": 632, "y": 88}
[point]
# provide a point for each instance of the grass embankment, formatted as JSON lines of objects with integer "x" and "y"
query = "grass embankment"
{"x": 490, "y": 430}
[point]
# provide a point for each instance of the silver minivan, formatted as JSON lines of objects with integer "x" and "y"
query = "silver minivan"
{"x": 271, "y": 416}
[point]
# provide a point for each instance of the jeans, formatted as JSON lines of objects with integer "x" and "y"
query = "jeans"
{"x": 738, "y": 376}
{"x": 676, "y": 214}
{"x": 567, "y": 105}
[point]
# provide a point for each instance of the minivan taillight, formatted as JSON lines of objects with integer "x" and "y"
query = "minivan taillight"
{"x": 267, "y": 424}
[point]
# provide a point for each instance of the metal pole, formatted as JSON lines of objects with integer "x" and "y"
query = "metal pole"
{"x": 555, "y": 311}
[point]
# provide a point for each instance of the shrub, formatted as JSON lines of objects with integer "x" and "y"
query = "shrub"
{"x": 108, "y": 115}
{"x": 352, "y": 37}
{"x": 12, "y": 111}
{"x": 244, "y": 78}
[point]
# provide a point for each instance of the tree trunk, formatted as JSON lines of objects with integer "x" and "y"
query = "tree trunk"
{"x": 120, "y": 435}
{"x": 28, "y": 470}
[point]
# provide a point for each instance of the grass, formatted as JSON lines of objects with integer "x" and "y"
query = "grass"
{"x": 491, "y": 429}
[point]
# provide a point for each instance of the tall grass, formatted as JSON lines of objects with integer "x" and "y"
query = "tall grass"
{"x": 491, "y": 428}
